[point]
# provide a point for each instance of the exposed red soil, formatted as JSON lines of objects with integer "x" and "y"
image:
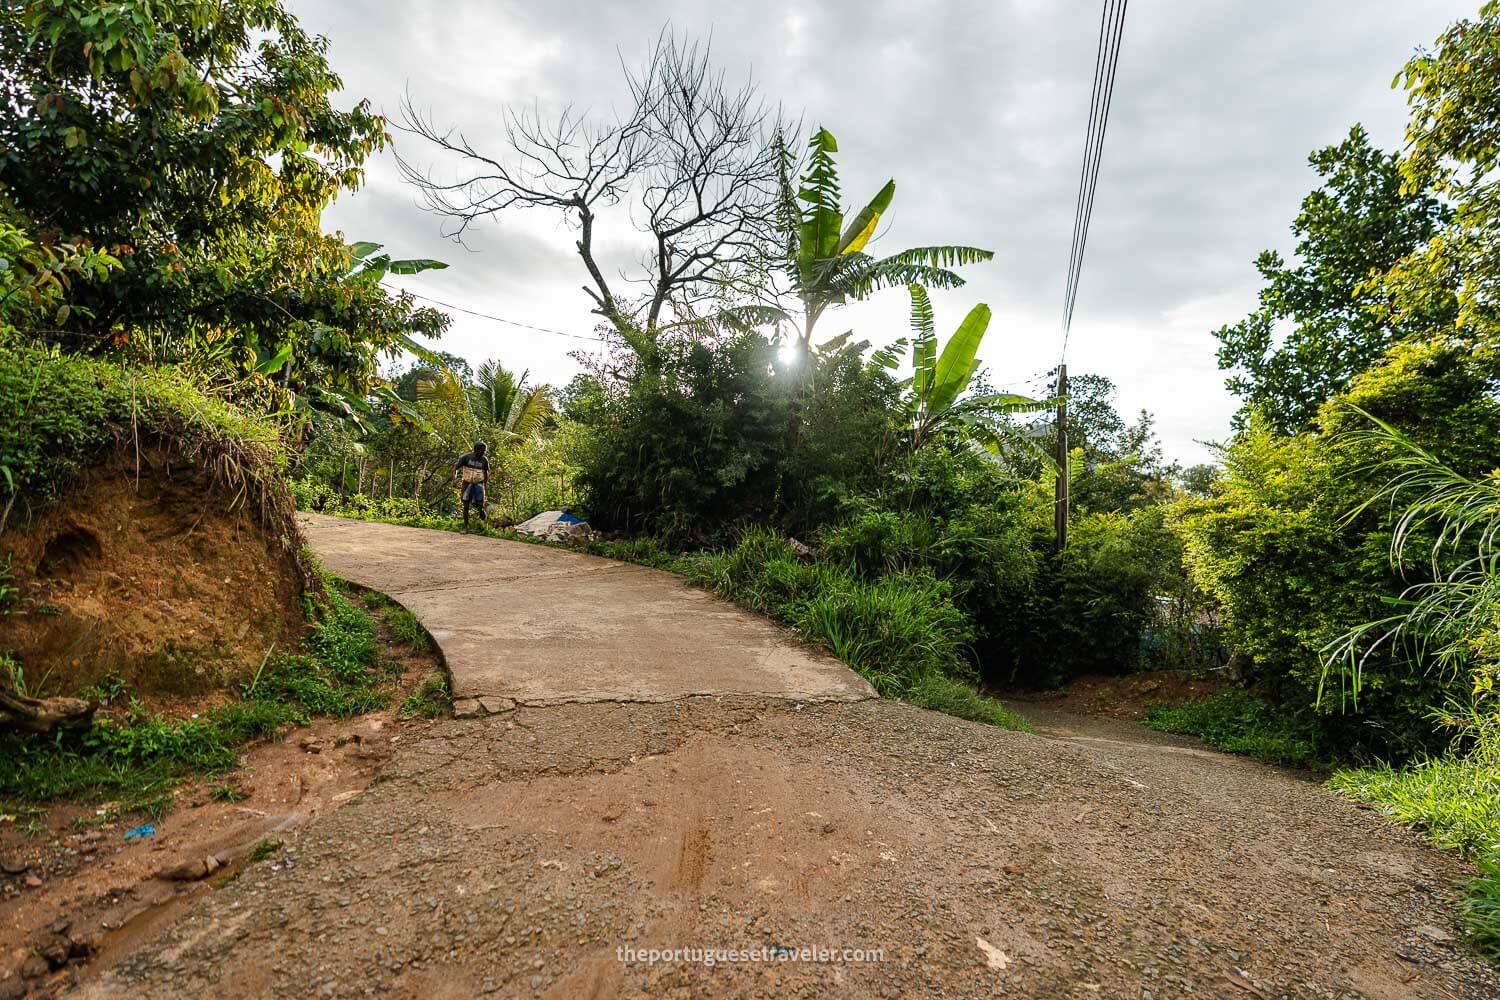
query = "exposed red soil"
{"x": 158, "y": 577}
{"x": 1126, "y": 697}
{"x": 78, "y": 897}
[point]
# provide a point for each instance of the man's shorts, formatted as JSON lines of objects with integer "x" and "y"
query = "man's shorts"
{"x": 474, "y": 493}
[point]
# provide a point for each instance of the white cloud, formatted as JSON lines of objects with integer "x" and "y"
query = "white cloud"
{"x": 977, "y": 109}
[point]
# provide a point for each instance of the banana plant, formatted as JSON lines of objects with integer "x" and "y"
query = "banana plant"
{"x": 940, "y": 379}
{"x": 824, "y": 256}
{"x": 369, "y": 267}
{"x": 366, "y": 265}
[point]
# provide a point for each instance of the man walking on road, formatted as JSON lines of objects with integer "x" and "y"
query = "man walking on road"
{"x": 474, "y": 470}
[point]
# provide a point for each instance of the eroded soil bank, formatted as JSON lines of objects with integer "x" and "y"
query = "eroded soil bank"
{"x": 148, "y": 571}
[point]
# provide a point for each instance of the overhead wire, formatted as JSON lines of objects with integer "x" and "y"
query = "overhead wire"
{"x": 1098, "y": 156}
{"x": 1088, "y": 150}
{"x": 1106, "y": 63}
{"x": 501, "y": 319}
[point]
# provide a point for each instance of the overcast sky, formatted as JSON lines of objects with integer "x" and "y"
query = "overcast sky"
{"x": 977, "y": 109}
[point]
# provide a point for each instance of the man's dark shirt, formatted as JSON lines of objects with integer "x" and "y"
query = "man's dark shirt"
{"x": 473, "y": 461}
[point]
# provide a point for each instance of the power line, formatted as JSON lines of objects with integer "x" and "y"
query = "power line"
{"x": 1098, "y": 155}
{"x": 1106, "y": 61}
{"x": 501, "y": 319}
{"x": 1088, "y": 152}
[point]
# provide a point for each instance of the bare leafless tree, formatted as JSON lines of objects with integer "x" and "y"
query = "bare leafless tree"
{"x": 693, "y": 158}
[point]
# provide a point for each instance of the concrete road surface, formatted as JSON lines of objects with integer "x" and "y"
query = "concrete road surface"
{"x": 537, "y": 625}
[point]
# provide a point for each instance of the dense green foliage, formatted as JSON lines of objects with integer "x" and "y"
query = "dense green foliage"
{"x": 901, "y": 630}
{"x": 1239, "y": 722}
{"x": 1352, "y": 538}
{"x": 1289, "y": 548}
{"x": 196, "y": 142}
{"x": 703, "y": 436}
{"x": 1360, "y": 223}
{"x": 706, "y": 439}
{"x": 1454, "y": 149}
{"x": 1302, "y": 541}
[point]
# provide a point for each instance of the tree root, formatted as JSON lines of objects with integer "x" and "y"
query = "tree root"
{"x": 40, "y": 715}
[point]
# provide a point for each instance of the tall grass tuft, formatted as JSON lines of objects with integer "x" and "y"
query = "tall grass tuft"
{"x": 901, "y": 631}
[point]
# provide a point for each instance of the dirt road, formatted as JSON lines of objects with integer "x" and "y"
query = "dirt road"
{"x": 838, "y": 847}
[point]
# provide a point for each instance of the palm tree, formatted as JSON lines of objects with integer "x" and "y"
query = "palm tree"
{"x": 497, "y": 398}
{"x": 501, "y": 398}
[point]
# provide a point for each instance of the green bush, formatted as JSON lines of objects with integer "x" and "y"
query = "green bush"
{"x": 901, "y": 629}
{"x": 1240, "y": 722}
{"x": 1040, "y": 618}
{"x": 405, "y": 628}
{"x": 1295, "y": 558}
{"x": 704, "y": 436}
{"x": 894, "y": 630}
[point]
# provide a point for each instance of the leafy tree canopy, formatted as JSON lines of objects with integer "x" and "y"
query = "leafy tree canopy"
{"x": 1363, "y": 220}
{"x": 196, "y": 141}
{"x": 1454, "y": 149}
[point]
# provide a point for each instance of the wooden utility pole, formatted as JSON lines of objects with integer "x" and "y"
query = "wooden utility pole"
{"x": 1060, "y": 511}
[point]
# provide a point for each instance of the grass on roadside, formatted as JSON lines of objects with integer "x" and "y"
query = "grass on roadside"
{"x": 1455, "y": 801}
{"x": 137, "y": 759}
{"x": 1238, "y": 721}
{"x": 952, "y": 697}
{"x": 405, "y": 629}
{"x": 264, "y": 848}
{"x": 1480, "y": 909}
{"x": 901, "y": 631}
{"x": 431, "y": 701}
